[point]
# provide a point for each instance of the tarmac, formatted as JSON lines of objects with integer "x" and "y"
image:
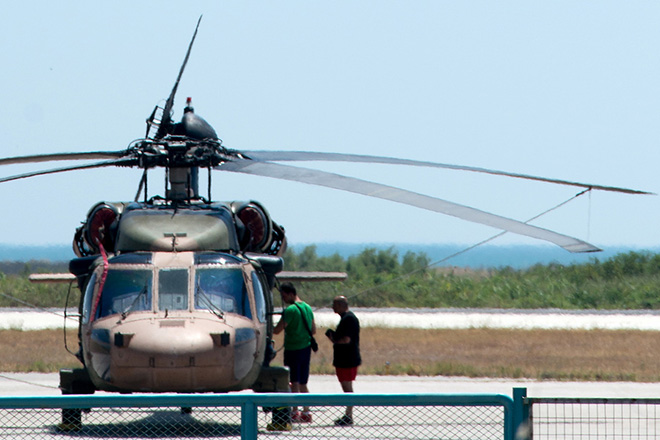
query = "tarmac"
{"x": 45, "y": 384}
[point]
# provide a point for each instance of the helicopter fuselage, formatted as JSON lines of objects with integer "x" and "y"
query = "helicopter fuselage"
{"x": 174, "y": 322}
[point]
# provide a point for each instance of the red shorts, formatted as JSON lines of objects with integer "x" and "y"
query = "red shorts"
{"x": 346, "y": 374}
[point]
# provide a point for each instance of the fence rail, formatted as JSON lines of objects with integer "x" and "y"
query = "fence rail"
{"x": 593, "y": 418}
{"x": 376, "y": 416}
{"x": 250, "y": 416}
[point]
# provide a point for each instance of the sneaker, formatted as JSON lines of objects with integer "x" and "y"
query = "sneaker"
{"x": 279, "y": 427}
{"x": 301, "y": 417}
{"x": 344, "y": 421}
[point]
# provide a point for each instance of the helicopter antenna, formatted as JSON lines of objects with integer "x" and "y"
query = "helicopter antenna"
{"x": 142, "y": 186}
{"x": 209, "y": 183}
{"x": 167, "y": 117}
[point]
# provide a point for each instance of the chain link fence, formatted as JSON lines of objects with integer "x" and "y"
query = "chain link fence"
{"x": 250, "y": 416}
{"x": 562, "y": 418}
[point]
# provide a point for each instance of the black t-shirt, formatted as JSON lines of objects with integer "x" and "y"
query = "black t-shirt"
{"x": 347, "y": 355}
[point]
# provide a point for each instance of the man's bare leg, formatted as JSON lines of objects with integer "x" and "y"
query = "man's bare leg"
{"x": 348, "y": 388}
{"x": 299, "y": 388}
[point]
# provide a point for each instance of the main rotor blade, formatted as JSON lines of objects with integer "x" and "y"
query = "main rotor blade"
{"x": 372, "y": 189}
{"x": 291, "y": 156}
{"x": 88, "y": 155}
{"x": 108, "y": 163}
{"x": 167, "y": 110}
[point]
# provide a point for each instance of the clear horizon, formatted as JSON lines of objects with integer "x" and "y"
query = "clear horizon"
{"x": 516, "y": 256}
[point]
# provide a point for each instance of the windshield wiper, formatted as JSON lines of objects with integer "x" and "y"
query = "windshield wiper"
{"x": 129, "y": 309}
{"x": 217, "y": 311}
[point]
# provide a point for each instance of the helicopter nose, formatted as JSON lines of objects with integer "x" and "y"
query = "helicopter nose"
{"x": 172, "y": 341}
{"x": 183, "y": 355}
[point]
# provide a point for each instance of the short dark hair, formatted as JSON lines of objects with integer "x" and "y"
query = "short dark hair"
{"x": 288, "y": 288}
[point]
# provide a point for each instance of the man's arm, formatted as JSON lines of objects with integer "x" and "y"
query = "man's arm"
{"x": 331, "y": 334}
{"x": 345, "y": 328}
{"x": 280, "y": 325}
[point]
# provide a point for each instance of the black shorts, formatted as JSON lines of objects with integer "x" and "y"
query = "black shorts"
{"x": 298, "y": 363}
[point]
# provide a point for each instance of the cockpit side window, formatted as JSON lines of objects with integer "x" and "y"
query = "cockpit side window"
{"x": 124, "y": 290}
{"x": 173, "y": 289}
{"x": 259, "y": 298}
{"x": 222, "y": 289}
{"x": 88, "y": 299}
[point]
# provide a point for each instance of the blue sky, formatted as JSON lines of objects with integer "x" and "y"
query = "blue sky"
{"x": 561, "y": 89}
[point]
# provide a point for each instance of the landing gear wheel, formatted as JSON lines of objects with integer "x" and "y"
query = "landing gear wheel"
{"x": 74, "y": 381}
{"x": 275, "y": 380}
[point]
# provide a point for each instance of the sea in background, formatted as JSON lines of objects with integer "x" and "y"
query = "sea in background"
{"x": 486, "y": 256}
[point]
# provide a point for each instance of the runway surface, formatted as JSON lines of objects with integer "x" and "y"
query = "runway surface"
{"x": 374, "y": 422}
{"x": 45, "y": 384}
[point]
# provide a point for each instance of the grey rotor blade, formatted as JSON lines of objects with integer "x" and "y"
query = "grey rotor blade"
{"x": 167, "y": 110}
{"x": 36, "y": 158}
{"x": 303, "y": 156}
{"x": 372, "y": 189}
{"x": 108, "y": 163}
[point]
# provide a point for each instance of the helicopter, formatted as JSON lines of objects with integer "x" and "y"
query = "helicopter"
{"x": 176, "y": 289}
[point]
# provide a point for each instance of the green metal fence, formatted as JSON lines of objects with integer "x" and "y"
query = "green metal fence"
{"x": 375, "y": 416}
{"x": 251, "y": 416}
{"x": 593, "y": 418}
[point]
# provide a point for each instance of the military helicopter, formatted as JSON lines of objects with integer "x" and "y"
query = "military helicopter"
{"x": 177, "y": 289}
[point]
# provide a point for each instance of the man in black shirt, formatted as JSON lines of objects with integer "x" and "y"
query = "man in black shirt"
{"x": 346, "y": 350}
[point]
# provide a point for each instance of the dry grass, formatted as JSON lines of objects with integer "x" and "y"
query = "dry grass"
{"x": 41, "y": 350}
{"x": 601, "y": 355}
{"x": 589, "y": 355}
{"x": 540, "y": 354}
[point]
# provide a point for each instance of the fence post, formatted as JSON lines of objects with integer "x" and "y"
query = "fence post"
{"x": 520, "y": 414}
{"x": 249, "y": 429}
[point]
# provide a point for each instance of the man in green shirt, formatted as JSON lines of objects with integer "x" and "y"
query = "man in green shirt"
{"x": 298, "y": 324}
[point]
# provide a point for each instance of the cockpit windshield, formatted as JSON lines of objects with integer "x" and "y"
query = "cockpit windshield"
{"x": 222, "y": 290}
{"x": 173, "y": 289}
{"x": 124, "y": 291}
{"x": 218, "y": 288}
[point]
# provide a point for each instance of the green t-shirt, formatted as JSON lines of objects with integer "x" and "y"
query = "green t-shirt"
{"x": 296, "y": 336}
